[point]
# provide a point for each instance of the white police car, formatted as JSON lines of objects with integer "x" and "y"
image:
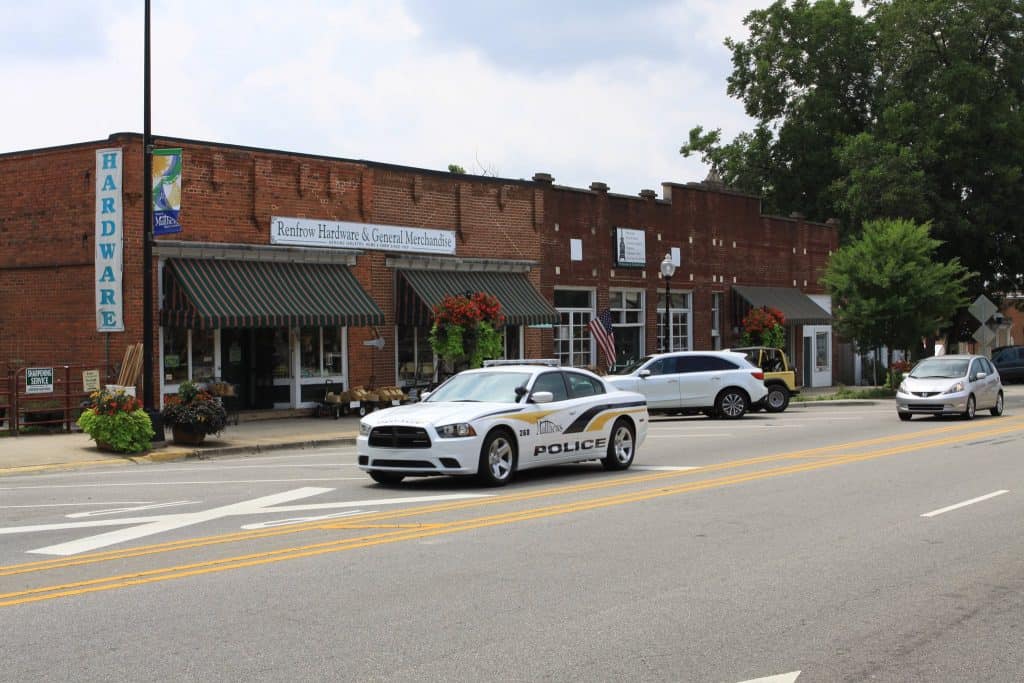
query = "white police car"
{"x": 504, "y": 417}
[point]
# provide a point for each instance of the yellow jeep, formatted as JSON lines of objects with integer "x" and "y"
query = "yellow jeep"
{"x": 779, "y": 376}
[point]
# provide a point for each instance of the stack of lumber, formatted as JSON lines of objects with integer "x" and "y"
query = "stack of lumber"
{"x": 131, "y": 366}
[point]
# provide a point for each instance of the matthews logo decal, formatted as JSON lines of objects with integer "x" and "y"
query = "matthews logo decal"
{"x": 344, "y": 235}
{"x": 548, "y": 427}
{"x": 570, "y": 446}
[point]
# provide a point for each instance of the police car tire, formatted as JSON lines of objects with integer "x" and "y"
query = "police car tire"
{"x": 497, "y": 438}
{"x": 387, "y": 478}
{"x": 622, "y": 432}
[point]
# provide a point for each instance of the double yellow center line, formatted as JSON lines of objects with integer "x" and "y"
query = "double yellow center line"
{"x": 828, "y": 456}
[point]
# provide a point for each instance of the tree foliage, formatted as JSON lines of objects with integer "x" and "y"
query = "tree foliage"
{"x": 888, "y": 288}
{"x": 911, "y": 109}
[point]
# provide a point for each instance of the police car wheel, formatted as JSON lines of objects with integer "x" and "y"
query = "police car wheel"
{"x": 621, "y": 447}
{"x": 497, "y": 459}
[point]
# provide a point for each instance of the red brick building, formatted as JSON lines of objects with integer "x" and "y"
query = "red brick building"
{"x": 297, "y": 272}
{"x": 727, "y": 256}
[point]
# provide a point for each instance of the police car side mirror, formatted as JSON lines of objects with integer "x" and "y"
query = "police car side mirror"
{"x": 981, "y": 375}
{"x": 425, "y": 395}
{"x": 644, "y": 373}
{"x": 542, "y": 397}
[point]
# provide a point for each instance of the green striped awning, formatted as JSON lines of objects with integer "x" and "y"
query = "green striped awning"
{"x": 205, "y": 294}
{"x": 520, "y": 301}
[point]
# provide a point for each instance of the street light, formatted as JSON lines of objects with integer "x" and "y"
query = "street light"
{"x": 148, "y": 399}
{"x": 668, "y": 269}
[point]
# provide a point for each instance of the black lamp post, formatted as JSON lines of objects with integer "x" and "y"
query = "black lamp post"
{"x": 668, "y": 269}
{"x": 148, "y": 398}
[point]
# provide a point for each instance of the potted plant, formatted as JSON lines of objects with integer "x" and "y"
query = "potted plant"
{"x": 193, "y": 413}
{"x": 116, "y": 422}
{"x": 467, "y": 328}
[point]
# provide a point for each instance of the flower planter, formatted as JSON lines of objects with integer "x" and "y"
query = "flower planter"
{"x": 187, "y": 436}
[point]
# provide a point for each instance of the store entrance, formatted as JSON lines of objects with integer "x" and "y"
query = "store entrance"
{"x": 247, "y": 361}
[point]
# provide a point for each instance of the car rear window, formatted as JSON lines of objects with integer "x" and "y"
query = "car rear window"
{"x": 704, "y": 364}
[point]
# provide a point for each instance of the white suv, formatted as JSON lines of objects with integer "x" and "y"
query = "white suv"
{"x": 716, "y": 383}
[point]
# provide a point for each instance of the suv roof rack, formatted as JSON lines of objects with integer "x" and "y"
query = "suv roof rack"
{"x": 551, "y": 362}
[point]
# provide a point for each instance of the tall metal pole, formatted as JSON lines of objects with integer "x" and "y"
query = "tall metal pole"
{"x": 665, "y": 332}
{"x": 147, "y": 248}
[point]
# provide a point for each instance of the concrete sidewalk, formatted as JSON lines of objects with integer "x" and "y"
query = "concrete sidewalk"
{"x": 44, "y": 452}
{"x": 41, "y": 452}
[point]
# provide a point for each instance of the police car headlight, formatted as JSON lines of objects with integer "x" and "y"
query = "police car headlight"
{"x": 959, "y": 386}
{"x": 364, "y": 429}
{"x": 903, "y": 388}
{"x": 456, "y": 430}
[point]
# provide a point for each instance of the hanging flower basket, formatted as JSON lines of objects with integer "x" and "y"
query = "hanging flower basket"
{"x": 764, "y": 326}
{"x": 467, "y": 328}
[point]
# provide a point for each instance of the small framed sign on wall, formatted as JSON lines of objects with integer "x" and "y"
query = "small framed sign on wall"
{"x": 630, "y": 248}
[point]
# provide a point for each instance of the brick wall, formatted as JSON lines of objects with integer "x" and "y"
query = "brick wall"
{"x": 229, "y": 194}
{"x": 722, "y": 237}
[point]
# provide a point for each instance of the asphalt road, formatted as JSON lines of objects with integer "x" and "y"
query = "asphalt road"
{"x": 821, "y": 540}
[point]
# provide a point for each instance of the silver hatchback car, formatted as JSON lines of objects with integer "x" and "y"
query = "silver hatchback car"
{"x": 950, "y": 385}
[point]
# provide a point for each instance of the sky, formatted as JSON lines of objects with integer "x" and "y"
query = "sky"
{"x": 598, "y": 90}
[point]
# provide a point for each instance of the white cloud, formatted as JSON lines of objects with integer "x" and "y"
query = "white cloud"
{"x": 361, "y": 79}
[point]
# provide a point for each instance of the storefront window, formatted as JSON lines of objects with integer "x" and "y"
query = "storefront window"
{"x": 512, "y": 349}
{"x": 175, "y": 355}
{"x": 309, "y": 351}
{"x": 679, "y": 330}
{"x": 821, "y": 351}
{"x": 415, "y": 357}
{"x": 627, "y": 309}
{"x": 202, "y": 355}
{"x": 572, "y": 336}
{"x": 282, "y": 366}
{"x": 332, "y": 351}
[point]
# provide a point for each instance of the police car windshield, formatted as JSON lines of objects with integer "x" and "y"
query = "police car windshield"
{"x": 492, "y": 387}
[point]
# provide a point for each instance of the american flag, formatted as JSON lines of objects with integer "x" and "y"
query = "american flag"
{"x": 601, "y": 329}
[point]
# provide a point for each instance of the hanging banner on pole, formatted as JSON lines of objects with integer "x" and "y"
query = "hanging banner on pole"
{"x": 109, "y": 241}
{"x": 166, "y": 191}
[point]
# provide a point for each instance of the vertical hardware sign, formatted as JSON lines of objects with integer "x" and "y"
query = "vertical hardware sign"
{"x": 109, "y": 241}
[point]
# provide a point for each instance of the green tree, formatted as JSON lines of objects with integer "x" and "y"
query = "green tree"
{"x": 888, "y": 288}
{"x": 455, "y": 168}
{"x": 911, "y": 109}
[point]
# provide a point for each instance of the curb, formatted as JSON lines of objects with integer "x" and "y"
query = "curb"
{"x": 838, "y": 402}
{"x": 57, "y": 466}
{"x": 203, "y": 453}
